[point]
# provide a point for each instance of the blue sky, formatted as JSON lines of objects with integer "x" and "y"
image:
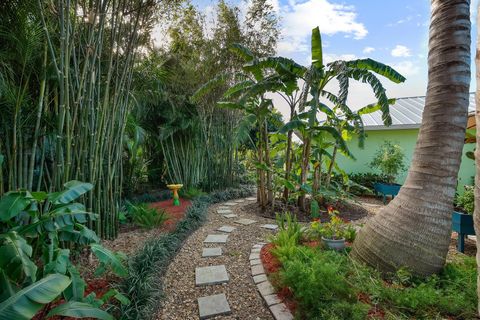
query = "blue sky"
{"x": 392, "y": 32}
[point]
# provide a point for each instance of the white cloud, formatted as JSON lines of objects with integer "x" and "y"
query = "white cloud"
{"x": 328, "y": 57}
{"x": 406, "y": 68}
{"x": 367, "y": 50}
{"x": 401, "y": 51}
{"x": 300, "y": 17}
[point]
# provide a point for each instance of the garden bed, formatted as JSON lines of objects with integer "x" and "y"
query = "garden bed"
{"x": 348, "y": 211}
{"x": 325, "y": 284}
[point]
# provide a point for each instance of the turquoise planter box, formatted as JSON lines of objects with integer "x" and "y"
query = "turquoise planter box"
{"x": 386, "y": 189}
{"x": 462, "y": 223}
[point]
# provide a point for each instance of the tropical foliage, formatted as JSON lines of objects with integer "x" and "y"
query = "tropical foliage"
{"x": 389, "y": 160}
{"x": 304, "y": 88}
{"x": 35, "y": 265}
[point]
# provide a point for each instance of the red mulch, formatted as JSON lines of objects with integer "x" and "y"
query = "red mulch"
{"x": 175, "y": 213}
{"x": 272, "y": 265}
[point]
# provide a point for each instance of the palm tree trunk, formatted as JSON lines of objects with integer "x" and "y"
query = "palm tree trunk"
{"x": 414, "y": 230}
{"x": 476, "y": 213}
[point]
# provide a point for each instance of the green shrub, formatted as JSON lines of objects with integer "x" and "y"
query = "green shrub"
{"x": 146, "y": 217}
{"x": 190, "y": 193}
{"x": 326, "y": 284}
{"x": 367, "y": 180}
{"x": 390, "y": 160}
{"x": 144, "y": 284}
{"x": 467, "y": 199}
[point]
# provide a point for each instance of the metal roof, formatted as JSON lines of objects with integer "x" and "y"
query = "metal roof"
{"x": 406, "y": 113}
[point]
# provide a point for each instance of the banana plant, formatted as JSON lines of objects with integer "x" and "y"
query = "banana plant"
{"x": 34, "y": 268}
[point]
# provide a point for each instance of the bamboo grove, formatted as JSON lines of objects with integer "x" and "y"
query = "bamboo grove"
{"x": 87, "y": 95}
{"x": 66, "y": 74}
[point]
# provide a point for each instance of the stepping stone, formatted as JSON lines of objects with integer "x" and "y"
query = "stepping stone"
{"x": 211, "y": 252}
{"x": 280, "y": 312}
{"x": 211, "y": 306}
{"x": 269, "y": 226}
{"x": 245, "y": 222}
{"x": 229, "y": 216}
{"x": 223, "y": 208}
{"x": 226, "y": 229}
{"x": 230, "y": 204}
{"x": 239, "y": 201}
{"x": 256, "y": 250}
{"x": 210, "y": 275}
{"x": 216, "y": 238}
{"x": 224, "y": 211}
{"x": 251, "y": 199}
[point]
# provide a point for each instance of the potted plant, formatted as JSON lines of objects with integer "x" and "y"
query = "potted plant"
{"x": 390, "y": 160}
{"x": 334, "y": 232}
{"x": 462, "y": 219}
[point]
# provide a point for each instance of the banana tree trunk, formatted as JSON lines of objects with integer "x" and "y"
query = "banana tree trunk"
{"x": 261, "y": 173}
{"x": 414, "y": 230}
{"x": 330, "y": 167}
{"x": 305, "y": 169}
{"x": 317, "y": 174}
{"x": 476, "y": 213}
{"x": 269, "y": 185}
{"x": 288, "y": 164}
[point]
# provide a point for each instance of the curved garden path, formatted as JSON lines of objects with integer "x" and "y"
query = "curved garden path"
{"x": 181, "y": 292}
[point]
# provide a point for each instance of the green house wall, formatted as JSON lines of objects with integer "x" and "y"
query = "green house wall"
{"x": 406, "y": 139}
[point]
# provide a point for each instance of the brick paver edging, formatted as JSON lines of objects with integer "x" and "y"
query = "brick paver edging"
{"x": 278, "y": 309}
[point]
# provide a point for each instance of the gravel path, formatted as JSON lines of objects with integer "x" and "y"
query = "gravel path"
{"x": 180, "y": 291}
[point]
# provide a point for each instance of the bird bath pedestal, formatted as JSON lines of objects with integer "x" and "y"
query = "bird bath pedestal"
{"x": 175, "y": 188}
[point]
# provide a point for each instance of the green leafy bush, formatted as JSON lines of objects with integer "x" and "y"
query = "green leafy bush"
{"x": 467, "y": 199}
{"x": 390, "y": 160}
{"x": 328, "y": 284}
{"x": 35, "y": 269}
{"x": 143, "y": 286}
{"x": 191, "y": 192}
{"x": 146, "y": 217}
{"x": 367, "y": 180}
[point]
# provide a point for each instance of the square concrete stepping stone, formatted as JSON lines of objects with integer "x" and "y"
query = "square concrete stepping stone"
{"x": 269, "y": 226}
{"x": 211, "y": 252}
{"x": 224, "y": 211}
{"x": 210, "y": 275}
{"x": 211, "y": 306}
{"x": 216, "y": 238}
{"x": 230, "y": 215}
{"x": 245, "y": 222}
{"x": 223, "y": 208}
{"x": 251, "y": 199}
{"x": 280, "y": 312}
{"x": 226, "y": 229}
{"x": 230, "y": 204}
